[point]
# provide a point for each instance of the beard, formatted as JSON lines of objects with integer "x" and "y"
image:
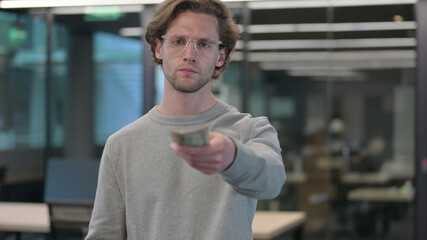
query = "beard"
{"x": 187, "y": 84}
{"x": 182, "y": 85}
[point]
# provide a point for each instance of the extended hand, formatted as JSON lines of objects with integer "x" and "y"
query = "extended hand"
{"x": 212, "y": 158}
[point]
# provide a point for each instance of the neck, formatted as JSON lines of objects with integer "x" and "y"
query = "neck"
{"x": 176, "y": 103}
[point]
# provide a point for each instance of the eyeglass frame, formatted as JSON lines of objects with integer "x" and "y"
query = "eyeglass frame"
{"x": 187, "y": 41}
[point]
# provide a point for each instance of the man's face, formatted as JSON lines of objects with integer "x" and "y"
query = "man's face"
{"x": 191, "y": 68}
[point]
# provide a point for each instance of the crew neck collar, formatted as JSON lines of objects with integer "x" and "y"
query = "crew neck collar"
{"x": 188, "y": 120}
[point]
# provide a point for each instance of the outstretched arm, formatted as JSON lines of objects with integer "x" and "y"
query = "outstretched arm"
{"x": 253, "y": 167}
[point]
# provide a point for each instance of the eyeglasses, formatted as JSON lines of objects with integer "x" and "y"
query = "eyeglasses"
{"x": 177, "y": 44}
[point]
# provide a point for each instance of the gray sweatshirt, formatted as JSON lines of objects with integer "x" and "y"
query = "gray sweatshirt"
{"x": 145, "y": 191}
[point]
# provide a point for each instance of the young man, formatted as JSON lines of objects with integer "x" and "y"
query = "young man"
{"x": 150, "y": 188}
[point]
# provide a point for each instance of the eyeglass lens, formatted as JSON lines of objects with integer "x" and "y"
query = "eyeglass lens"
{"x": 178, "y": 44}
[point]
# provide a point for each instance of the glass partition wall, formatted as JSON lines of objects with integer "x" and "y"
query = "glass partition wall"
{"x": 338, "y": 83}
{"x": 91, "y": 73}
{"x": 23, "y": 91}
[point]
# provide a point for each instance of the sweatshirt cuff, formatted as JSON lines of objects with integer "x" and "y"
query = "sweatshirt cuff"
{"x": 240, "y": 165}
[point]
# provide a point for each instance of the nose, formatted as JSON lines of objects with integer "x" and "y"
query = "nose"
{"x": 190, "y": 52}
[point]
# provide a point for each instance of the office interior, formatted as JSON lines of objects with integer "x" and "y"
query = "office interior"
{"x": 341, "y": 81}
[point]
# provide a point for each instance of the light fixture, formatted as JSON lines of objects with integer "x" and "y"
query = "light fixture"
{"x": 328, "y": 44}
{"x": 254, "y": 4}
{"x": 333, "y": 27}
{"x": 323, "y": 3}
{"x": 331, "y": 65}
{"x": 75, "y": 3}
{"x": 85, "y": 10}
{"x": 70, "y": 3}
{"x": 321, "y": 27}
{"x": 131, "y": 32}
{"x": 316, "y": 63}
{"x": 344, "y": 56}
{"x": 343, "y": 73}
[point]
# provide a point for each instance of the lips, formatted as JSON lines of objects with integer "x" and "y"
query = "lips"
{"x": 187, "y": 70}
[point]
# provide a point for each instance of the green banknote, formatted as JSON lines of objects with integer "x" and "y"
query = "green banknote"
{"x": 195, "y": 137}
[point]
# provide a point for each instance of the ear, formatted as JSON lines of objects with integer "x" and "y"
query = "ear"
{"x": 221, "y": 58}
{"x": 159, "y": 50}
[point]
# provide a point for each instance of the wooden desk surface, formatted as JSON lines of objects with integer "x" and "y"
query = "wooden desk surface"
{"x": 379, "y": 194}
{"x": 330, "y": 163}
{"x": 269, "y": 224}
{"x": 24, "y": 217}
{"x": 295, "y": 177}
{"x": 23, "y": 177}
{"x": 365, "y": 178}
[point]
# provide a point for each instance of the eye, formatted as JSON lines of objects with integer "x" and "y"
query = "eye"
{"x": 178, "y": 41}
{"x": 204, "y": 43}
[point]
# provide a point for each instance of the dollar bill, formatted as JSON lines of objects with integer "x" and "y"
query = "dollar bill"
{"x": 195, "y": 137}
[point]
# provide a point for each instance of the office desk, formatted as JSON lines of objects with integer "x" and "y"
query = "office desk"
{"x": 365, "y": 178}
{"x": 268, "y": 224}
{"x": 23, "y": 177}
{"x": 381, "y": 201}
{"x": 330, "y": 163}
{"x": 379, "y": 194}
{"x": 296, "y": 178}
{"x": 24, "y": 217}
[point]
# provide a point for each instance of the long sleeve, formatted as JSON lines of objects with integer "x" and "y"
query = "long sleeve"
{"x": 145, "y": 191}
{"x": 108, "y": 217}
{"x": 258, "y": 170}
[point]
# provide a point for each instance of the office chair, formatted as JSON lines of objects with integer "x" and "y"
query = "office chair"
{"x": 2, "y": 177}
{"x": 70, "y": 188}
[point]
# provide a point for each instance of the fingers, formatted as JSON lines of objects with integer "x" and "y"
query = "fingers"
{"x": 198, "y": 157}
{"x": 191, "y": 151}
{"x": 214, "y": 146}
{"x": 211, "y": 158}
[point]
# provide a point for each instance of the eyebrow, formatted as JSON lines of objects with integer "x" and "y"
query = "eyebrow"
{"x": 184, "y": 35}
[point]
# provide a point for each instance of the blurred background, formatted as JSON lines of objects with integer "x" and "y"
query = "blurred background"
{"x": 338, "y": 80}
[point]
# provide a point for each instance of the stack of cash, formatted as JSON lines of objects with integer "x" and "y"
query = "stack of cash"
{"x": 195, "y": 137}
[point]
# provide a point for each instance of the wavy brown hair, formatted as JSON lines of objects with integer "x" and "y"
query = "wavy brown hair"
{"x": 168, "y": 10}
